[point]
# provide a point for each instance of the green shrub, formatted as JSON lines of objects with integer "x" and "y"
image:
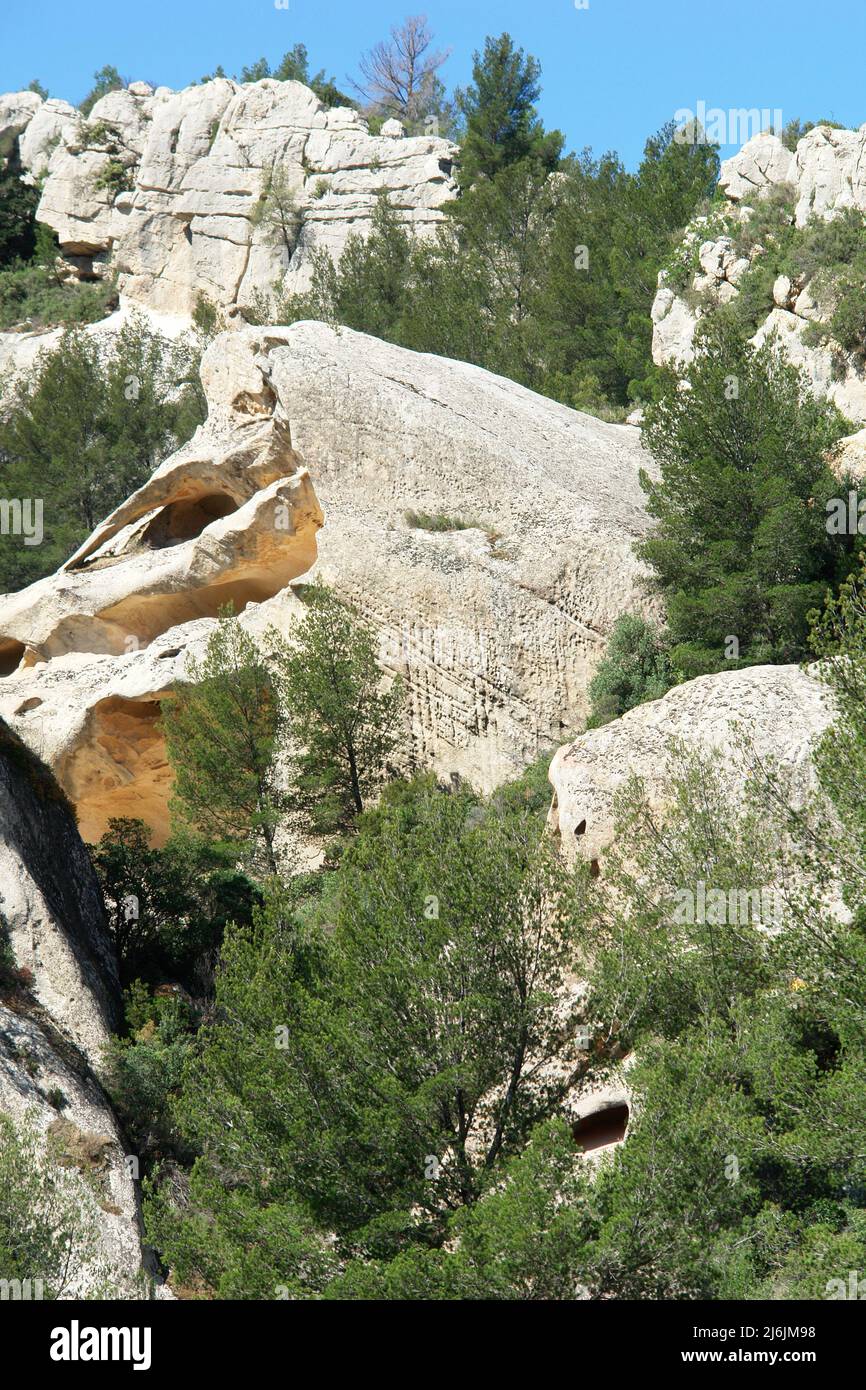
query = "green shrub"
{"x": 48, "y": 1229}
{"x": 741, "y": 548}
{"x": 33, "y": 296}
{"x": 115, "y": 177}
{"x": 85, "y": 427}
{"x": 634, "y": 668}
{"x": 439, "y": 521}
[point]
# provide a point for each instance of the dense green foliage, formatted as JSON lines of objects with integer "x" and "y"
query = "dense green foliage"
{"x": 221, "y": 731}
{"x": 741, "y": 548}
{"x": 42, "y": 1216}
{"x": 84, "y": 429}
{"x": 634, "y": 668}
{"x": 393, "y": 1035}
{"x": 33, "y": 296}
{"x": 342, "y": 727}
{"x": 168, "y": 907}
{"x": 546, "y": 280}
{"x": 501, "y": 122}
{"x": 315, "y": 701}
{"x": 18, "y": 202}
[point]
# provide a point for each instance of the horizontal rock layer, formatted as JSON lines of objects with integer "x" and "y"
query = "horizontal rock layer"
{"x": 165, "y": 187}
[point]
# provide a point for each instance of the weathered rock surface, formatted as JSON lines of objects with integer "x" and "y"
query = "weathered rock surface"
{"x": 165, "y": 187}
{"x": 52, "y": 1032}
{"x": 762, "y": 162}
{"x": 824, "y": 176}
{"x": 495, "y": 627}
{"x": 783, "y": 710}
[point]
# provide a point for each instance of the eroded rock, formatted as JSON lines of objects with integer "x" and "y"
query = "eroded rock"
{"x": 55, "y": 1020}
{"x": 823, "y": 177}
{"x": 782, "y": 710}
{"x": 495, "y": 623}
{"x": 170, "y": 189}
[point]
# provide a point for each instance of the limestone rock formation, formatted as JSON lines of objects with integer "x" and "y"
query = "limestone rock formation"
{"x": 219, "y": 189}
{"x": 55, "y": 1023}
{"x": 823, "y": 177}
{"x": 782, "y": 709}
{"x": 495, "y": 622}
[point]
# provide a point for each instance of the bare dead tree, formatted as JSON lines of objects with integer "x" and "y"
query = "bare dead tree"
{"x": 399, "y": 74}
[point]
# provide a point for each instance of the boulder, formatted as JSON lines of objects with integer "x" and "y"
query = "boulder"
{"x": 762, "y": 162}
{"x": 484, "y": 532}
{"x": 823, "y": 176}
{"x": 782, "y": 709}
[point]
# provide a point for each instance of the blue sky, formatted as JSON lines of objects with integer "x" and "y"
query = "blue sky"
{"x": 613, "y": 73}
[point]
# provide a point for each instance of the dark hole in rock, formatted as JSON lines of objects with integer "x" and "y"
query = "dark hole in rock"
{"x": 27, "y": 705}
{"x": 11, "y": 653}
{"x": 169, "y": 651}
{"x": 187, "y": 231}
{"x": 580, "y": 829}
{"x": 185, "y": 519}
{"x": 602, "y": 1127}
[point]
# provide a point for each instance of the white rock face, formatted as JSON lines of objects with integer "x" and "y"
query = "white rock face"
{"x": 829, "y": 172}
{"x": 52, "y": 1033}
{"x": 163, "y": 186}
{"x": 782, "y": 709}
{"x": 762, "y": 162}
{"x": 849, "y": 456}
{"x": 825, "y": 175}
{"x": 17, "y": 110}
{"x": 495, "y": 627}
{"x": 786, "y": 328}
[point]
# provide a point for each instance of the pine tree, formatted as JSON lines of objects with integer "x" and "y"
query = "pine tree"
{"x": 221, "y": 732}
{"x": 341, "y": 726}
{"x": 498, "y": 107}
{"x": 741, "y": 547}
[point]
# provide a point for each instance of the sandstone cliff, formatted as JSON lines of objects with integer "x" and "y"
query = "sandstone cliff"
{"x": 322, "y": 454}
{"x": 169, "y": 189}
{"x": 55, "y": 1019}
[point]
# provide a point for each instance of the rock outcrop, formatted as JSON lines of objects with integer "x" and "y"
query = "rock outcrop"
{"x": 823, "y": 177}
{"x": 324, "y": 455}
{"x": 55, "y": 1018}
{"x": 782, "y": 709}
{"x": 219, "y": 189}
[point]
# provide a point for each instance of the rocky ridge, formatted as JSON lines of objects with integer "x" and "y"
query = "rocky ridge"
{"x": 56, "y": 1017}
{"x": 822, "y": 177}
{"x": 170, "y": 190}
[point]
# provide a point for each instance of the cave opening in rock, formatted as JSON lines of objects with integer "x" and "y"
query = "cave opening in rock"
{"x": 11, "y": 653}
{"x": 603, "y": 1127}
{"x": 186, "y": 518}
{"x": 119, "y": 768}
